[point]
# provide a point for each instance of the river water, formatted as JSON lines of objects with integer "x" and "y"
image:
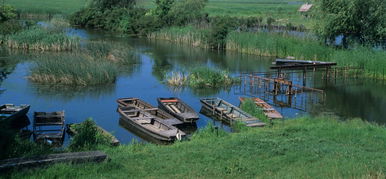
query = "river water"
{"x": 365, "y": 99}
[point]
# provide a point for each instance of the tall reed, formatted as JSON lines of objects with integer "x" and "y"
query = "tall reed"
{"x": 73, "y": 70}
{"x": 187, "y": 35}
{"x": 201, "y": 77}
{"x": 43, "y": 39}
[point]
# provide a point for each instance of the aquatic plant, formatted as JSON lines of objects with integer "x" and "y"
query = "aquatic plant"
{"x": 43, "y": 39}
{"x": 207, "y": 77}
{"x": 113, "y": 52}
{"x": 188, "y": 35}
{"x": 176, "y": 79}
{"x": 201, "y": 77}
{"x": 73, "y": 70}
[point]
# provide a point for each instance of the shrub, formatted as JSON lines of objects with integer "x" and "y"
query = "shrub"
{"x": 88, "y": 137}
{"x": 7, "y": 12}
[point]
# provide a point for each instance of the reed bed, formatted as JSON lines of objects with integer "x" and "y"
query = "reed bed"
{"x": 188, "y": 35}
{"x": 73, "y": 70}
{"x": 276, "y": 44}
{"x": 113, "y": 52}
{"x": 176, "y": 79}
{"x": 42, "y": 39}
{"x": 200, "y": 78}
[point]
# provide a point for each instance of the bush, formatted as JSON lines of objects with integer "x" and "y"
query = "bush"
{"x": 7, "y": 12}
{"x": 88, "y": 137}
{"x": 218, "y": 34}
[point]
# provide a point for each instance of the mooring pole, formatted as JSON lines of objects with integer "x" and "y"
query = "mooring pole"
{"x": 304, "y": 76}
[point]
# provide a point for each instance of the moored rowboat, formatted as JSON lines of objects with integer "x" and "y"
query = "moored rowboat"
{"x": 149, "y": 124}
{"x": 268, "y": 110}
{"x": 11, "y": 112}
{"x": 229, "y": 112}
{"x": 178, "y": 109}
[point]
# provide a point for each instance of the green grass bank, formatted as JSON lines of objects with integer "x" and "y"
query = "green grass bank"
{"x": 301, "y": 148}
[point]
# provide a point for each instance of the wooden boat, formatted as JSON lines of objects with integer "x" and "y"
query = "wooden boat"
{"x": 48, "y": 127}
{"x": 178, "y": 109}
{"x": 268, "y": 110}
{"x": 149, "y": 124}
{"x": 11, "y": 112}
{"x": 123, "y": 102}
{"x": 229, "y": 112}
{"x": 142, "y": 105}
{"x": 72, "y": 130}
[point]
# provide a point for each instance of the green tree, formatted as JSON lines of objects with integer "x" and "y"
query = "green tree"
{"x": 162, "y": 10}
{"x": 7, "y": 12}
{"x": 187, "y": 11}
{"x": 109, "y": 4}
{"x": 363, "y": 21}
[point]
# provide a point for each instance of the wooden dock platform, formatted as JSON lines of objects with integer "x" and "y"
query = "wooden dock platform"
{"x": 76, "y": 157}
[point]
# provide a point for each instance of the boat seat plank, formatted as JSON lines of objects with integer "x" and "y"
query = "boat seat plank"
{"x": 175, "y": 108}
{"x": 169, "y": 101}
{"x": 172, "y": 121}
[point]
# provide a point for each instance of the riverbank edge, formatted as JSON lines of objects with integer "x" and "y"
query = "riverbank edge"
{"x": 302, "y": 148}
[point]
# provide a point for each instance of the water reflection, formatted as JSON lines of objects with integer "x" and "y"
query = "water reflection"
{"x": 67, "y": 93}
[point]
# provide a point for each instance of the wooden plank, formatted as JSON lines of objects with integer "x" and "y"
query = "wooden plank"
{"x": 75, "y": 157}
{"x": 175, "y": 108}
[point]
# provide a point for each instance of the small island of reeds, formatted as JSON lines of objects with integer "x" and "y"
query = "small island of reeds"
{"x": 201, "y": 77}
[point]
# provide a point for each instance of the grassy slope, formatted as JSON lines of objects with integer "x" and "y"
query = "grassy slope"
{"x": 47, "y": 6}
{"x": 302, "y": 148}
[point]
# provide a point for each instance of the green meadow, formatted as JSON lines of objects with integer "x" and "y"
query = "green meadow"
{"x": 47, "y": 6}
{"x": 301, "y": 148}
{"x": 283, "y": 11}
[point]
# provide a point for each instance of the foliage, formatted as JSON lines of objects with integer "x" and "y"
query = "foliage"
{"x": 218, "y": 34}
{"x": 138, "y": 21}
{"x": 250, "y": 107}
{"x": 88, "y": 137}
{"x": 12, "y": 145}
{"x": 186, "y": 11}
{"x": 162, "y": 10}
{"x": 299, "y": 148}
{"x": 109, "y": 4}
{"x": 359, "y": 20}
{"x": 7, "y": 12}
{"x": 8, "y": 28}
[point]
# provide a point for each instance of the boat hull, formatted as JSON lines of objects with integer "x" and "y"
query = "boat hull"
{"x": 233, "y": 114}
{"x": 189, "y": 116}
